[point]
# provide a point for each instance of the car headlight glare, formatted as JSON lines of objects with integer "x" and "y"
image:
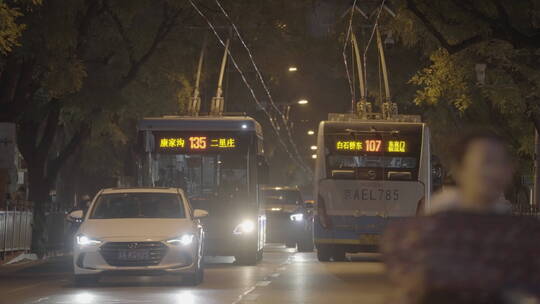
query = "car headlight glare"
{"x": 297, "y": 217}
{"x": 83, "y": 240}
{"x": 246, "y": 226}
{"x": 185, "y": 240}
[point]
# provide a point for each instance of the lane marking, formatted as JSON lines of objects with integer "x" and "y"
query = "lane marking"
{"x": 251, "y": 297}
{"x": 243, "y": 295}
{"x": 263, "y": 283}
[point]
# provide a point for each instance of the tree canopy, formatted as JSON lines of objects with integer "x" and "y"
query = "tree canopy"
{"x": 483, "y": 66}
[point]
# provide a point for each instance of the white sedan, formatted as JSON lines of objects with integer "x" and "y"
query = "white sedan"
{"x": 139, "y": 231}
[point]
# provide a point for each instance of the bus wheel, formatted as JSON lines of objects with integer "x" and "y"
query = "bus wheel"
{"x": 338, "y": 254}
{"x": 323, "y": 253}
{"x": 259, "y": 255}
{"x": 305, "y": 245}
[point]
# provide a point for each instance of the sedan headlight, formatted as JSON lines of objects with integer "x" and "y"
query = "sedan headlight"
{"x": 83, "y": 240}
{"x": 245, "y": 227}
{"x": 297, "y": 217}
{"x": 185, "y": 239}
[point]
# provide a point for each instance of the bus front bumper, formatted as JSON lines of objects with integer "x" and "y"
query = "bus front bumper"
{"x": 357, "y": 233}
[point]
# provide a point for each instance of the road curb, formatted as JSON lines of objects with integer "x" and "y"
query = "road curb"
{"x": 11, "y": 268}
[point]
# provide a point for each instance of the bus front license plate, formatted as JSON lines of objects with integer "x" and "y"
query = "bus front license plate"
{"x": 369, "y": 239}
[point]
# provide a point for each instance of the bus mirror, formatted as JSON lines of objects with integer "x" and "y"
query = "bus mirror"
{"x": 263, "y": 171}
{"x": 437, "y": 173}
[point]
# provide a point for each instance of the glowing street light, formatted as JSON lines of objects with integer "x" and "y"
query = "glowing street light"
{"x": 313, "y": 148}
{"x": 314, "y": 156}
{"x": 310, "y": 132}
{"x": 293, "y": 69}
{"x": 303, "y": 102}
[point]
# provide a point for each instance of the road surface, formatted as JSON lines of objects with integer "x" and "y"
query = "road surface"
{"x": 284, "y": 276}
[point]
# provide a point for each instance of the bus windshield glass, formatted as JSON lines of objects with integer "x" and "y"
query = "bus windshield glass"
{"x": 203, "y": 175}
{"x": 373, "y": 155}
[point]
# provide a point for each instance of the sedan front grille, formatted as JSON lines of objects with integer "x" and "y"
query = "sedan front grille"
{"x": 121, "y": 253}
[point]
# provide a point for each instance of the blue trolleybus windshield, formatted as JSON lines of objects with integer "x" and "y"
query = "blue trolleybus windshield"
{"x": 211, "y": 166}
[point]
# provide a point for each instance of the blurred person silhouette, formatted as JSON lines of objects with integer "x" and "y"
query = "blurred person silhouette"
{"x": 470, "y": 249}
{"x": 482, "y": 168}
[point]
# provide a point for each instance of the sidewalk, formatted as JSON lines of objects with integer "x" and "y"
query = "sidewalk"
{"x": 53, "y": 266}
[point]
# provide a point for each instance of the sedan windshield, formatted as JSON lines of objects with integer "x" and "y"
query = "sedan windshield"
{"x": 138, "y": 205}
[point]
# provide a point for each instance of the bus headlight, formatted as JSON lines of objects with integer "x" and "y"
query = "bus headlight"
{"x": 185, "y": 240}
{"x": 83, "y": 240}
{"x": 297, "y": 217}
{"x": 246, "y": 226}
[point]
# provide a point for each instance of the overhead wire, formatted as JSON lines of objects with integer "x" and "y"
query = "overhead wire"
{"x": 250, "y": 88}
{"x": 264, "y": 85}
{"x": 375, "y": 25}
{"x": 344, "y": 54}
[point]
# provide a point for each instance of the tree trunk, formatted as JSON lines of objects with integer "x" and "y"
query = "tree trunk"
{"x": 535, "y": 117}
{"x": 39, "y": 187}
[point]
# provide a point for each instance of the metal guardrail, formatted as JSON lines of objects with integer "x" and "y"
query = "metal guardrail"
{"x": 15, "y": 230}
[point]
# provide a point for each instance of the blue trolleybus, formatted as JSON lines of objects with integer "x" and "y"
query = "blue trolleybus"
{"x": 219, "y": 162}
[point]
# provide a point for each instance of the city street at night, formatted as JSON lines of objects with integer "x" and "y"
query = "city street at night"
{"x": 284, "y": 276}
{"x": 269, "y": 151}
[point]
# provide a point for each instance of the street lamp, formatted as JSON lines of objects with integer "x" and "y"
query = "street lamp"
{"x": 313, "y": 148}
{"x": 310, "y": 132}
{"x": 293, "y": 69}
{"x": 288, "y": 106}
{"x": 314, "y": 156}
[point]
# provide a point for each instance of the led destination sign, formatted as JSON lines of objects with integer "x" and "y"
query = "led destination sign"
{"x": 197, "y": 142}
{"x": 185, "y": 143}
{"x": 372, "y": 145}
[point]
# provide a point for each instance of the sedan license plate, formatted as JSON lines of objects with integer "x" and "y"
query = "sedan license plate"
{"x": 133, "y": 255}
{"x": 369, "y": 239}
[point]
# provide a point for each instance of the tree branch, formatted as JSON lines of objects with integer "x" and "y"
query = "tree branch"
{"x": 8, "y": 81}
{"x": 76, "y": 140}
{"x": 501, "y": 26}
{"x": 94, "y": 8}
{"x": 432, "y": 29}
{"x": 130, "y": 48}
{"x": 166, "y": 25}
{"x": 51, "y": 125}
